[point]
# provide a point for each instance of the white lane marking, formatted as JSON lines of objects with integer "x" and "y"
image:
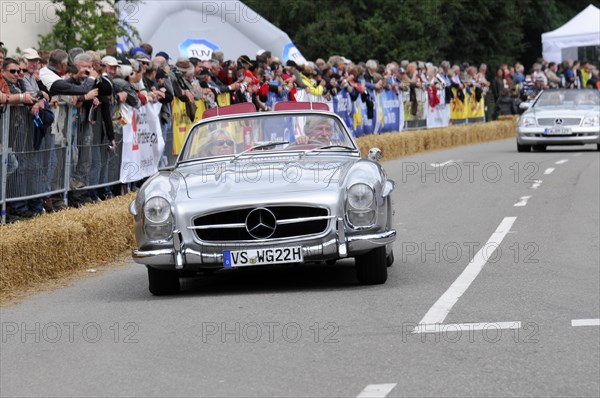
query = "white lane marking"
{"x": 460, "y": 327}
{"x": 585, "y": 322}
{"x": 562, "y": 161}
{"x": 444, "y": 163}
{"x": 377, "y": 390}
{"x": 438, "y": 312}
{"x": 536, "y": 184}
{"x": 523, "y": 201}
{"x": 549, "y": 170}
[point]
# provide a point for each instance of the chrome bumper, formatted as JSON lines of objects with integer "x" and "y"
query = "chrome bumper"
{"x": 340, "y": 247}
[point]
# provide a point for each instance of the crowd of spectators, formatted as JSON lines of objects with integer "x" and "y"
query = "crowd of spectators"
{"x": 88, "y": 80}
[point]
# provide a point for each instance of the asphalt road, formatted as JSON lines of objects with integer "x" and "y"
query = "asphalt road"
{"x": 497, "y": 263}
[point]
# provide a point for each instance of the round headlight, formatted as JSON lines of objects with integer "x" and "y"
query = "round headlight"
{"x": 360, "y": 196}
{"x": 157, "y": 210}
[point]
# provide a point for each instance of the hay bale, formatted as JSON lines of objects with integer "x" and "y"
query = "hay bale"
{"x": 54, "y": 245}
{"x": 404, "y": 143}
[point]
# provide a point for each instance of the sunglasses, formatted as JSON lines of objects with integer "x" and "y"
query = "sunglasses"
{"x": 14, "y": 71}
{"x": 223, "y": 142}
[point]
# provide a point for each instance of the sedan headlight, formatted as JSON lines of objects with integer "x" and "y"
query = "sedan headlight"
{"x": 591, "y": 121}
{"x": 360, "y": 196}
{"x": 527, "y": 121}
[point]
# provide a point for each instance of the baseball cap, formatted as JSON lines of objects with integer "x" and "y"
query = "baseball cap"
{"x": 110, "y": 61}
{"x": 163, "y": 54}
{"x": 30, "y": 54}
{"x": 137, "y": 50}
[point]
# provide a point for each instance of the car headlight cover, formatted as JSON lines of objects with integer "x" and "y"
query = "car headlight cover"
{"x": 157, "y": 210}
{"x": 360, "y": 196}
{"x": 591, "y": 121}
{"x": 527, "y": 121}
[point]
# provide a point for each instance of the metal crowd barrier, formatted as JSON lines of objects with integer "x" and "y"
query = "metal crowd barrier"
{"x": 73, "y": 155}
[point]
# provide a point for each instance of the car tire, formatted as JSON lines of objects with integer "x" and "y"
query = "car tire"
{"x": 390, "y": 259}
{"x": 598, "y": 147}
{"x": 540, "y": 148}
{"x": 523, "y": 148}
{"x": 371, "y": 267}
{"x": 162, "y": 282}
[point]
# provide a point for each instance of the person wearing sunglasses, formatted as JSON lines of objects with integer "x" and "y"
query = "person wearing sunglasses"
{"x": 10, "y": 76}
{"x": 219, "y": 143}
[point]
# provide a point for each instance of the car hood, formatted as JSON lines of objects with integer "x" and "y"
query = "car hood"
{"x": 266, "y": 176}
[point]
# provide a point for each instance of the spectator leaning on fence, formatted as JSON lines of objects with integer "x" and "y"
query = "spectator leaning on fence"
{"x": 11, "y": 94}
{"x": 43, "y": 137}
{"x": 20, "y": 142}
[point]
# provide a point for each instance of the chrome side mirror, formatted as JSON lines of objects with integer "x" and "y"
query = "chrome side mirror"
{"x": 525, "y": 105}
{"x": 374, "y": 154}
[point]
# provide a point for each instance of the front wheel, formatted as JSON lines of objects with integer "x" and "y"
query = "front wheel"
{"x": 523, "y": 148}
{"x": 390, "y": 259}
{"x": 371, "y": 267}
{"x": 162, "y": 282}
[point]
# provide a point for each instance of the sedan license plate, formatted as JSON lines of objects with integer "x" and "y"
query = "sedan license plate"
{"x": 250, "y": 257}
{"x": 558, "y": 131}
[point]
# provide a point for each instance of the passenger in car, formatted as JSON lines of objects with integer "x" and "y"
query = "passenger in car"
{"x": 219, "y": 143}
{"x": 552, "y": 99}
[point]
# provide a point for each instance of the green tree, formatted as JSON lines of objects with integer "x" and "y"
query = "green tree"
{"x": 472, "y": 31}
{"x": 86, "y": 24}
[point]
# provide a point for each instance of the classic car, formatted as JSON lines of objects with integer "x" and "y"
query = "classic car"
{"x": 263, "y": 188}
{"x": 560, "y": 117}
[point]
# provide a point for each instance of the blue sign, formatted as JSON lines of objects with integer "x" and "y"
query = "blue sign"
{"x": 290, "y": 51}
{"x": 197, "y": 48}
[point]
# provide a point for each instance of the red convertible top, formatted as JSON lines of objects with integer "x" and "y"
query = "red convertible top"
{"x": 248, "y": 107}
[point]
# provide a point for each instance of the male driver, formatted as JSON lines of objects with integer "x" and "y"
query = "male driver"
{"x": 317, "y": 130}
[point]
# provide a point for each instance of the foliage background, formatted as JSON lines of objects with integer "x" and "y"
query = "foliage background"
{"x": 473, "y": 31}
{"x": 86, "y": 24}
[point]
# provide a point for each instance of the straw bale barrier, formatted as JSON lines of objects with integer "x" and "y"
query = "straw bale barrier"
{"x": 60, "y": 244}
{"x": 405, "y": 143}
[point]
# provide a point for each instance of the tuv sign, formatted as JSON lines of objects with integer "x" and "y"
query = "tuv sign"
{"x": 198, "y": 48}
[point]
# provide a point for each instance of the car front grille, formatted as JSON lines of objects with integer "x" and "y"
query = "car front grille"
{"x": 291, "y": 221}
{"x": 551, "y": 121}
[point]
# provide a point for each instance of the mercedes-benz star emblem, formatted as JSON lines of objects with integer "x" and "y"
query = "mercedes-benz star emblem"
{"x": 261, "y": 223}
{"x": 559, "y": 122}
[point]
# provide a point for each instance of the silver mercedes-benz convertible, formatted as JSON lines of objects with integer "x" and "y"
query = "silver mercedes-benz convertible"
{"x": 560, "y": 117}
{"x": 253, "y": 189}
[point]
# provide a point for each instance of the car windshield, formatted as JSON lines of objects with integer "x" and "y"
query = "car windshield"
{"x": 285, "y": 132}
{"x": 567, "y": 98}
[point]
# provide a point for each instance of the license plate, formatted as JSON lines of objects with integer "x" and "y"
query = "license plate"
{"x": 557, "y": 131}
{"x": 248, "y": 258}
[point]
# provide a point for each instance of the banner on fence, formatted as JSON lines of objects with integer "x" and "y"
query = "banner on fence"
{"x": 143, "y": 143}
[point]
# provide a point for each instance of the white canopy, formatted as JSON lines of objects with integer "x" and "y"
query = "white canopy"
{"x": 581, "y": 31}
{"x": 196, "y": 28}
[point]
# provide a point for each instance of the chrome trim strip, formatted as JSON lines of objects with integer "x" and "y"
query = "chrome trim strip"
{"x": 235, "y": 225}
{"x": 303, "y": 219}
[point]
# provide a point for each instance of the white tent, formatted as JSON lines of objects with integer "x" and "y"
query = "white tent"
{"x": 581, "y": 31}
{"x": 195, "y": 28}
